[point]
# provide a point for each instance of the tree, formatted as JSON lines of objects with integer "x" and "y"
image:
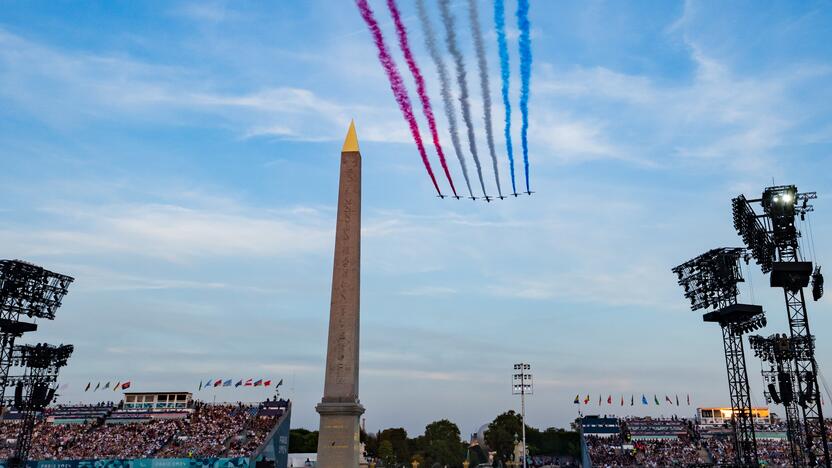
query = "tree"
{"x": 386, "y": 454}
{"x": 397, "y": 437}
{"x": 502, "y": 433}
{"x": 303, "y": 441}
{"x": 442, "y": 443}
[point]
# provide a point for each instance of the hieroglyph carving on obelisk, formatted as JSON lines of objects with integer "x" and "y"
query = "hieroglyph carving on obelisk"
{"x": 340, "y": 409}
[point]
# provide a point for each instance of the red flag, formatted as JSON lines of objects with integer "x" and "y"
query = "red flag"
{"x": 267, "y": 383}
{"x": 125, "y": 385}
{"x": 622, "y": 400}
{"x": 249, "y": 382}
{"x": 586, "y": 400}
{"x": 609, "y": 400}
{"x": 218, "y": 383}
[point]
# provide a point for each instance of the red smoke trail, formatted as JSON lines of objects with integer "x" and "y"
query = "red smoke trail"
{"x": 396, "y": 84}
{"x": 420, "y": 86}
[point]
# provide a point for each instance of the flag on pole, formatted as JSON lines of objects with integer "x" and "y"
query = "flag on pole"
{"x": 577, "y": 400}
{"x": 632, "y": 399}
{"x": 643, "y": 399}
{"x": 239, "y": 382}
{"x": 125, "y": 385}
{"x": 656, "y": 399}
{"x": 667, "y": 399}
{"x": 88, "y": 386}
{"x": 258, "y": 383}
{"x": 586, "y": 400}
{"x": 279, "y": 383}
{"x": 115, "y": 387}
{"x": 106, "y": 385}
{"x": 677, "y": 400}
{"x": 688, "y": 399}
{"x": 622, "y": 400}
{"x": 227, "y": 383}
{"x": 200, "y": 385}
{"x": 599, "y": 400}
{"x": 609, "y": 400}
{"x": 218, "y": 382}
{"x": 249, "y": 382}
{"x": 97, "y": 386}
{"x": 267, "y": 383}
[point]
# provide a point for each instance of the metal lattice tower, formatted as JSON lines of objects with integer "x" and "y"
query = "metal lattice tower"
{"x": 34, "y": 389}
{"x": 777, "y": 351}
{"x": 30, "y": 291}
{"x": 773, "y": 239}
{"x": 710, "y": 282}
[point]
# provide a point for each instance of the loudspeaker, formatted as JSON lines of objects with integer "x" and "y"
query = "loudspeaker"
{"x": 784, "y": 381}
{"x": 18, "y": 396}
{"x": 772, "y": 392}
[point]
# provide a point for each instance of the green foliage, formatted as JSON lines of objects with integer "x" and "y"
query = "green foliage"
{"x": 303, "y": 441}
{"x": 502, "y": 433}
{"x": 397, "y": 437}
{"x": 442, "y": 444}
{"x": 386, "y": 454}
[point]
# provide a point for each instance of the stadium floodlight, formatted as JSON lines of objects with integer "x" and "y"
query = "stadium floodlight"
{"x": 753, "y": 232}
{"x": 779, "y": 351}
{"x": 522, "y": 384}
{"x": 710, "y": 282}
{"x": 773, "y": 239}
{"x": 34, "y": 390}
{"x": 31, "y": 290}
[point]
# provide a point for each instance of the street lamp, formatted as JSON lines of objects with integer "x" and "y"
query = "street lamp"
{"x": 522, "y": 385}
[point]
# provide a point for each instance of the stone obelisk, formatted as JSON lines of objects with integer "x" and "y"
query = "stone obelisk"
{"x": 338, "y": 440}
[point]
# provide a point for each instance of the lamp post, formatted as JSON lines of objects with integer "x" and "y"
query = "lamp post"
{"x": 522, "y": 385}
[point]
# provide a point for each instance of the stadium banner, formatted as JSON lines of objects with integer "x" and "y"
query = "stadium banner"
{"x": 239, "y": 462}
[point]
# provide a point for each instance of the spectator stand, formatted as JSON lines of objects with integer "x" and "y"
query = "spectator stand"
{"x": 274, "y": 449}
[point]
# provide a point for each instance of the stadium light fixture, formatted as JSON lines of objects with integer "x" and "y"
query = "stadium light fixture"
{"x": 710, "y": 282}
{"x": 522, "y": 383}
{"x": 773, "y": 239}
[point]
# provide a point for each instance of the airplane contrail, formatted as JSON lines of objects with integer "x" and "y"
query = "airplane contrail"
{"x": 485, "y": 87}
{"x": 505, "y": 74}
{"x": 396, "y": 84}
{"x": 525, "y": 75}
{"x": 453, "y": 48}
{"x": 445, "y": 88}
{"x": 427, "y": 109}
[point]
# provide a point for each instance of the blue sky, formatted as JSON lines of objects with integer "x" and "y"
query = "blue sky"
{"x": 180, "y": 160}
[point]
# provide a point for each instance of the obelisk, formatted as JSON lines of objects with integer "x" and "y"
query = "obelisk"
{"x": 340, "y": 409}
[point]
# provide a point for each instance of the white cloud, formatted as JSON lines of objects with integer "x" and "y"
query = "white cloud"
{"x": 172, "y": 232}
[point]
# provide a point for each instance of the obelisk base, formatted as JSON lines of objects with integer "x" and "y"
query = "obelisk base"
{"x": 339, "y": 444}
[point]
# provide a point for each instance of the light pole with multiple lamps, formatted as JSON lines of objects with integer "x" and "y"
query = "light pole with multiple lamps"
{"x": 522, "y": 385}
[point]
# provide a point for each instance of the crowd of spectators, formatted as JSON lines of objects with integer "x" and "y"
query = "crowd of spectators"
{"x": 551, "y": 461}
{"x": 209, "y": 431}
{"x": 614, "y": 452}
{"x": 771, "y": 452}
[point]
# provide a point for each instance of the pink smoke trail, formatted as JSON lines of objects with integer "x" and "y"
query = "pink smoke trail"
{"x": 401, "y": 31}
{"x": 396, "y": 84}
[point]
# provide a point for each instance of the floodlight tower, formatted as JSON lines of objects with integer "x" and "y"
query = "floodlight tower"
{"x": 29, "y": 290}
{"x": 35, "y": 389}
{"x": 521, "y": 384}
{"x": 777, "y": 351}
{"x": 710, "y": 282}
{"x": 773, "y": 239}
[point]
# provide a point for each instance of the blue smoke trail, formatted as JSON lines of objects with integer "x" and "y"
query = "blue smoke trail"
{"x": 505, "y": 72}
{"x": 525, "y": 75}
